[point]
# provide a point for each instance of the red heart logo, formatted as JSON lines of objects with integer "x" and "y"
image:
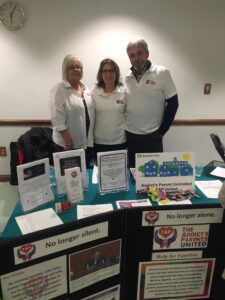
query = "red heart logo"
{"x": 152, "y": 214}
{"x": 165, "y": 231}
{"x": 26, "y": 248}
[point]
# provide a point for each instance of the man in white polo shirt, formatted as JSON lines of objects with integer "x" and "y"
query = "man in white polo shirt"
{"x": 152, "y": 102}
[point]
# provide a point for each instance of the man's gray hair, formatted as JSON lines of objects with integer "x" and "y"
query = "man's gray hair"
{"x": 65, "y": 64}
{"x": 139, "y": 42}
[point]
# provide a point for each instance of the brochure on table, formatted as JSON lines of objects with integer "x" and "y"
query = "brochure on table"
{"x": 34, "y": 184}
{"x": 112, "y": 171}
{"x": 66, "y": 160}
{"x": 167, "y": 171}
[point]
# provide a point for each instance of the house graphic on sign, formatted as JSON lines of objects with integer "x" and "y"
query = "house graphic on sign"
{"x": 168, "y": 168}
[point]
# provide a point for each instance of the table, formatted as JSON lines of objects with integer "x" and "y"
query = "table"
{"x": 91, "y": 197}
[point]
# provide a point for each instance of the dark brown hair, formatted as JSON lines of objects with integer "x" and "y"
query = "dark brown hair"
{"x": 100, "y": 82}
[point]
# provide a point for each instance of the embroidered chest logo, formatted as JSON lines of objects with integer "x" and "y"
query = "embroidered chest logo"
{"x": 118, "y": 101}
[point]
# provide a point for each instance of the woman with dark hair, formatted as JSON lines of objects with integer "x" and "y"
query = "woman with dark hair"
{"x": 109, "y": 99}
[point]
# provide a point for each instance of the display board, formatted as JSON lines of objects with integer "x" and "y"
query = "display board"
{"x": 76, "y": 260}
{"x": 142, "y": 253}
{"x": 178, "y": 252}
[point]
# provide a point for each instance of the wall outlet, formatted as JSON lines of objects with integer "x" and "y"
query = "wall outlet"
{"x": 207, "y": 88}
{"x": 3, "y": 151}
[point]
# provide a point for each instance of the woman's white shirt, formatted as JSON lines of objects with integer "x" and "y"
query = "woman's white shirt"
{"x": 109, "y": 128}
{"x": 68, "y": 113}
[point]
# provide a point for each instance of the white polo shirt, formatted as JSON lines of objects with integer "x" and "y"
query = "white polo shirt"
{"x": 68, "y": 112}
{"x": 145, "y": 100}
{"x": 109, "y": 128}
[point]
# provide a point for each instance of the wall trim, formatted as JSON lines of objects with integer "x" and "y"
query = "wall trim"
{"x": 4, "y": 178}
{"x": 177, "y": 122}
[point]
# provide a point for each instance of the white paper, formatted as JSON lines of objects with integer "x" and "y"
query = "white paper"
{"x": 95, "y": 175}
{"x": 133, "y": 203}
{"x": 38, "y": 220}
{"x": 210, "y": 188}
{"x": 74, "y": 185}
{"x": 181, "y": 202}
{"x": 219, "y": 172}
{"x": 112, "y": 171}
{"x": 34, "y": 184}
{"x": 84, "y": 211}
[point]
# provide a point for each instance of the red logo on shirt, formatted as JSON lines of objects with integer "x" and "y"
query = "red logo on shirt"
{"x": 152, "y": 82}
{"x": 118, "y": 101}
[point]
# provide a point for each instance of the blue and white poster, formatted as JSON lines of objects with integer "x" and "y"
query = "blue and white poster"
{"x": 167, "y": 171}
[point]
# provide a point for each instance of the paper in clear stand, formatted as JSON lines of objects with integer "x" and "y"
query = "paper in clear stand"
{"x": 34, "y": 184}
{"x": 84, "y": 211}
{"x": 38, "y": 220}
{"x": 74, "y": 185}
{"x": 66, "y": 160}
{"x": 112, "y": 171}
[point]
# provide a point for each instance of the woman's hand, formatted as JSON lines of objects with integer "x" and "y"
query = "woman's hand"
{"x": 68, "y": 140}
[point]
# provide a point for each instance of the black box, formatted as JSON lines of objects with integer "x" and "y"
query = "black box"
{"x": 211, "y": 166}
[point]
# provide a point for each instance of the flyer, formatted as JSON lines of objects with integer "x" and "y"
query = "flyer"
{"x": 34, "y": 184}
{"x": 183, "y": 279}
{"x": 112, "y": 171}
{"x": 66, "y": 160}
{"x": 45, "y": 280}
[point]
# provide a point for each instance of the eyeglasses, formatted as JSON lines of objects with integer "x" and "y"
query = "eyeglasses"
{"x": 109, "y": 71}
{"x": 74, "y": 68}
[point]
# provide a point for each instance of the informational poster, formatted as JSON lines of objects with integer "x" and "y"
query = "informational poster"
{"x": 109, "y": 294}
{"x": 112, "y": 171}
{"x": 94, "y": 264}
{"x": 66, "y": 160}
{"x": 45, "y": 280}
{"x": 167, "y": 171}
{"x": 34, "y": 184}
{"x": 186, "y": 279}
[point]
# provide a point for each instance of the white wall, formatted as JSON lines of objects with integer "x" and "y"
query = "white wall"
{"x": 185, "y": 35}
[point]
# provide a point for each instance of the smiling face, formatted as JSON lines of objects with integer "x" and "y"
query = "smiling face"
{"x": 108, "y": 74}
{"x": 74, "y": 71}
{"x": 138, "y": 57}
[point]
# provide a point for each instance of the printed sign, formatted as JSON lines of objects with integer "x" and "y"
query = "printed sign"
{"x": 182, "y": 216}
{"x": 60, "y": 242}
{"x": 168, "y": 171}
{"x": 176, "y": 237}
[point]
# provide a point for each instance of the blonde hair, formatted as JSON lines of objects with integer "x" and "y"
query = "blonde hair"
{"x": 66, "y": 61}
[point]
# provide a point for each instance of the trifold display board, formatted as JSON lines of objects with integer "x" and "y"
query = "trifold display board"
{"x": 159, "y": 252}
